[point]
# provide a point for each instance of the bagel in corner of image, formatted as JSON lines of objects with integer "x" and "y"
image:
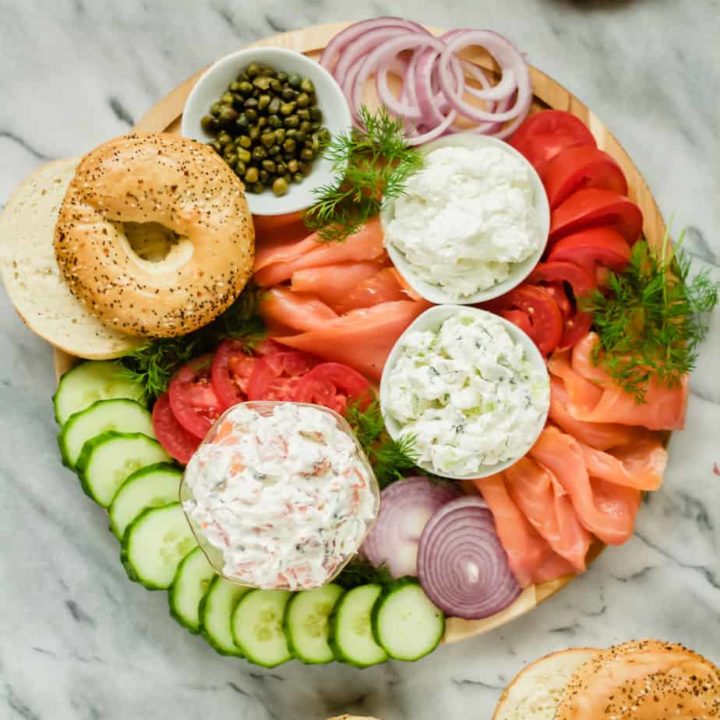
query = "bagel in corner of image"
{"x": 154, "y": 235}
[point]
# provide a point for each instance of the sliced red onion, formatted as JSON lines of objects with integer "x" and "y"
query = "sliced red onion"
{"x": 405, "y": 508}
{"x": 462, "y": 565}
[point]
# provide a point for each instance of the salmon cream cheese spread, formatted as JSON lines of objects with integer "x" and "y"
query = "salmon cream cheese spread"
{"x": 466, "y": 218}
{"x": 283, "y": 492}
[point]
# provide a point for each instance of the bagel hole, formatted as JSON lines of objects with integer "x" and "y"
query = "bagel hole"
{"x": 150, "y": 241}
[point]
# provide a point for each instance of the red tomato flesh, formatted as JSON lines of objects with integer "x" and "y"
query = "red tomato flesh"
{"x": 579, "y": 167}
{"x": 580, "y": 280}
{"x": 592, "y": 208}
{"x": 600, "y": 245}
{"x": 333, "y": 385}
{"x": 545, "y": 134}
{"x": 275, "y": 376}
{"x": 192, "y": 398}
{"x": 230, "y": 372}
{"x": 175, "y": 439}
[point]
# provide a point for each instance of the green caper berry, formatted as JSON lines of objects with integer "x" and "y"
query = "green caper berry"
{"x": 279, "y": 186}
{"x": 251, "y": 174}
{"x": 305, "y": 127}
{"x": 304, "y": 114}
{"x": 263, "y": 101}
{"x": 216, "y": 146}
{"x": 274, "y": 122}
{"x": 215, "y": 109}
{"x": 292, "y": 121}
{"x": 229, "y": 151}
{"x": 234, "y": 87}
{"x": 288, "y": 94}
{"x": 252, "y": 115}
{"x": 224, "y": 137}
{"x": 303, "y": 100}
{"x": 242, "y": 121}
{"x": 306, "y": 154}
{"x": 259, "y": 153}
{"x": 244, "y": 141}
{"x": 254, "y": 133}
{"x": 306, "y": 85}
{"x": 252, "y": 70}
{"x": 257, "y": 188}
{"x": 276, "y": 85}
{"x": 274, "y": 151}
{"x": 286, "y": 108}
{"x": 267, "y": 139}
{"x": 228, "y": 115}
{"x": 242, "y": 76}
{"x": 244, "y": 155}
{"x": 261, "y": 82}
{"x": 274, "y": 106}
{"x": 279, "y": 135}
{"x": 281, "y": 75}
{"x": 315, "y": 114}
{"x": 209, "y": 124}
{"x": 269, "y": 166}
{"x": 240, "y": 168}
{"x": 288, "y": 177}
{"x": 261, "y": 122}
{"x": 298, "y": 177}
{"x": 280, "y": 167}
{"x": 294, "y": 80}
{"x": 251, "y": 102}
{"x": 301, "y": 136}
{"x": 291, "y": 133}
{"x": 289, "y": 145}
{"x": 293, "y": 165}
{"x": 245, "y": 88}
{"x": 264, "y": 176}
{"x": 226, "y": 98}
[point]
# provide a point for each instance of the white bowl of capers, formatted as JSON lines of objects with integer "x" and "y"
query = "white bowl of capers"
{"x": 269, "y": 112}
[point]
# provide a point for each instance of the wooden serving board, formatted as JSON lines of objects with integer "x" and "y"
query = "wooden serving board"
{"x": 166, "y": 115}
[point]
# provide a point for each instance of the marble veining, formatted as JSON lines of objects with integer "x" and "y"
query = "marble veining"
{"x": 78, "y": 640}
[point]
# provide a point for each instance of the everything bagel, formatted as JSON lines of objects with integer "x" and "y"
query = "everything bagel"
{"x": 154, "y": 235}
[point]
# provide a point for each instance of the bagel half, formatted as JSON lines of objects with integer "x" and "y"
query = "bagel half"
{"x": 643, "y": 680}
{"x": 154, "y": 235}
{"x": 535, "y": 691}
{"x": 30, "y": 272}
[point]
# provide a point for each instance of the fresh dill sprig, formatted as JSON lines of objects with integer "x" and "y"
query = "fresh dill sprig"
{"x": 370, "y": 164}
{"x": 152, "y": 365}
{"x": 360, "y": 572}
{"x": 389, "y": 458}
{"x": 651, "y": 318}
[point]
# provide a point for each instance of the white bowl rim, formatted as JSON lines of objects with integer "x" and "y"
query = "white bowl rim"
{"x": 267, "y": 204}
{"x": 432, "y": 317}
{"x": 519, "y": 271}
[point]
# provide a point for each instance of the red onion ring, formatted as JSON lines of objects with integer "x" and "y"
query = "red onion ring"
{"x": 405, "y": 508}
{"x": 462, "y": 565}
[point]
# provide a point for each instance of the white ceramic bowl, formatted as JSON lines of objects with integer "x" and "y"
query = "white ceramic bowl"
{"x": 336, "y": 117}
{"x": 432, "y": 319}
{"x": 518, "y": 272}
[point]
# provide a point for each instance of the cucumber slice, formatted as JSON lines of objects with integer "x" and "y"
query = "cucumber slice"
{"x": 151, "y": 486}
{"x": 306, "y": 624}
{"x": 351, "y": 636}
{"x": 155, "y": 543}
{"x": 109, "y": 459}
{"x": 188, "y": 587}
{"x": 405, "y": 622}
{"x": 89, "y": 382}
{"x": 118, "y": 414}
{"x": 257, "y": 627}
{"x": 216, "y": 610}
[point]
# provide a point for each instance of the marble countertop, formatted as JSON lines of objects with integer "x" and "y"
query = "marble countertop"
{"x": 80, "y": 641}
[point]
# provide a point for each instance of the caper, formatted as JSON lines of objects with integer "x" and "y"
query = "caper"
{"x": 287, "y": 108}
{"x": 315, "y": 114}
{"x": 305, "y": 168}
{"x": 267, "y": 139}
{"x": 251, "y": 102}
{"x": 229, "y": 153}
{"x": 274, "y": 151}
{"x": 292, "y": 121}
{"x": 242, "y": 121}
{"x": 251, "y": 114}
{"x": 288, "y": 93}
{"x": 300, "y": 136}
{"x": 293, "y": 166}
{"x": 209, "y": 124}
{"x": 269, "y": 165}
{"x": 244, "y": 141}
{"x": 291, "y": 133}
{"x": 226, "y": 98}
{"x": 252, "y": 70}
{"x": 215, "y": 109}
{"x": 304, "y": 115}
{"x": 289, "y": 145}
{"x": 280, "y": 167}
{"x": 257, "y": 188}
{"x": 324, "y": 135}
{"x": 274, "y": 121}
{"x": 274, "y": 106}
{"x": 264, "y": 176}
{"x": 306, "y": 154}
{"x": 261, "y": 82}
{"x": 228, "y": 115}
{"x": 242, "y": 76}
{"x": 262, "y": 122}
{"x": 240, "y": 168}
{"x": 244, "y": 155}
{"x": 298, "y": 177}
{"x": 254, "y": 133}
{"x": 216, "y": 146}
{"x": 305, "y": 127}
{"x": 279, "y": 135}
{"x": 287, "y": 177}
{"x": 259, "y": 153}
{"x": 279, "y": 186}
{"x": 263, "y": 101}
{"x": 224, "y": 137}
{"x": 251, "y": 175}
{"x": 234, "y": 86}
{"x": 303, "y": 100}
{"x": 294, "y": 80}
{"x": 276, "y": 85}
{"x": 281, "y": 75}
{"x": 306, "y": 85}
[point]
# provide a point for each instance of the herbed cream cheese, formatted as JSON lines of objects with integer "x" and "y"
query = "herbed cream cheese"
{"x": 285, "y": 497}
{"x": 466, "y": 218}
{"x": 468, "y": 394}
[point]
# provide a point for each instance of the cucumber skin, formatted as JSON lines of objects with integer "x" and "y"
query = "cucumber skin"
{"x": 162, "y": 466}
{"x": 288, "y": 635}
{"x": 171, "y": 597}
{"x": 63, "y": 430}
{"x": 89, "y": 446}
{"x": 208, "y": 638}
{"x": 129, "y": 569}
{"x": 337, "y": 651}
{"x": 387, "y": 591}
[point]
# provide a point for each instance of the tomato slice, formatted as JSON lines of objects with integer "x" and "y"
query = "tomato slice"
{"x": 576, "y": 328}
{"x": 519, "y": 318}
{"x": 545, "y": 134}
{"x": 192, "y": 398}
{"x": 543, "y": 314}
{"x": 559, "y": 295}
{"x": 578, "y": 167}
{"x": 333, "y": 385}
{"x": 275, "y": 376}
{"x": 580, "y": 280}
{"x": 230, "y": 372}
{"x": 600, "y": 245}
{"x": 592, "y": 208}
{"x": 177, "y": 441}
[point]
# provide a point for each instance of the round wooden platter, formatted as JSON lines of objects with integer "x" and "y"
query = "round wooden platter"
{"x": 166, "y": 115}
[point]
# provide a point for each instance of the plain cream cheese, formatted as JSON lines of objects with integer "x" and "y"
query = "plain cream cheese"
{"x": 466, "y": 218}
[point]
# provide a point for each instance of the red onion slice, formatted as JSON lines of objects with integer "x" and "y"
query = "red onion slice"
{"x": 462, "y": 565}
{"x": 405, "y": 508}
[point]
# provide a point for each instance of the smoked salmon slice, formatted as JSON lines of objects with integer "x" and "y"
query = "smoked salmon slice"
{"x": 592, "y": 396}
{"x": 530, "y": 557}
{"x": 606, "y": 509}
{"x": 382, "y": 287}
{"x": 548, "y": 508}
{"x": 295, "y": 311}
{"x": 333, "y": 283}
{"x": 362, "y": 338}
{"x": 640, "y": 465}
{"x": 276, "y": 265}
